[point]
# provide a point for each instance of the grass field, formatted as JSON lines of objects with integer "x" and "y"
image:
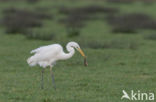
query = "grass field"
{"x": 126, "y": 63}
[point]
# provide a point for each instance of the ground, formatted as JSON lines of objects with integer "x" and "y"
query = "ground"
{"x": 110, "y": 70}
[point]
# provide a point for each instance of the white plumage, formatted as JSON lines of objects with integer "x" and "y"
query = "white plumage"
{"x": 48, "y": 55}
{"x": 45, "y": 56}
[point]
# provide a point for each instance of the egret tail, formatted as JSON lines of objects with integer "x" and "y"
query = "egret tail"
{"x": 31, "y": 61}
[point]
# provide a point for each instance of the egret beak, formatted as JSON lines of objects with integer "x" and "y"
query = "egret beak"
{"x": 85, "y": 59}
{"x": 81, "y": 52}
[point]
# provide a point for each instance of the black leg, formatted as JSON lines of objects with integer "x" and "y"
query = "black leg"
{"x": 52, "y": 77}
{"x": 42, "y": 82}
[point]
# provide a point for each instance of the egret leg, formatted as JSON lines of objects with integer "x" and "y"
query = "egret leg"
{"x": 42, "y": 79}
{"x": 52, "y": 77}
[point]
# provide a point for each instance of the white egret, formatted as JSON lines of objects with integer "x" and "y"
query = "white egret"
{"x": 46, "y": 56}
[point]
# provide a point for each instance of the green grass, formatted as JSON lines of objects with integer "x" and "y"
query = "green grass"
{"x": 110, "y": 70}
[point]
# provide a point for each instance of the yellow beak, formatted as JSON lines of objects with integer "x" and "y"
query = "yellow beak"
{"x": 81, "y": 52}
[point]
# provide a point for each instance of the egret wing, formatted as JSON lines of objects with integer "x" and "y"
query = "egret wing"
{"x": 39, "y": 49}
{"x": 47, "y": 52}
{"x": 45, "y": 48}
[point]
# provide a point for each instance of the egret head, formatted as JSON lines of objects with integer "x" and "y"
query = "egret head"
{"x": 77, "y": 47}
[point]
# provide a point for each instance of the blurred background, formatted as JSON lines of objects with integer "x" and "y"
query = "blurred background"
{"x": 83, "y": 21}
{"x": 118, "y": 36}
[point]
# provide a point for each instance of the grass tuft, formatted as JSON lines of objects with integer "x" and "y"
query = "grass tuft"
{"x": 151, "y": 36}
{"x": 76, "y": 17}
{"x": 130, "y": 23}
{"x": 20, "y": 20}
